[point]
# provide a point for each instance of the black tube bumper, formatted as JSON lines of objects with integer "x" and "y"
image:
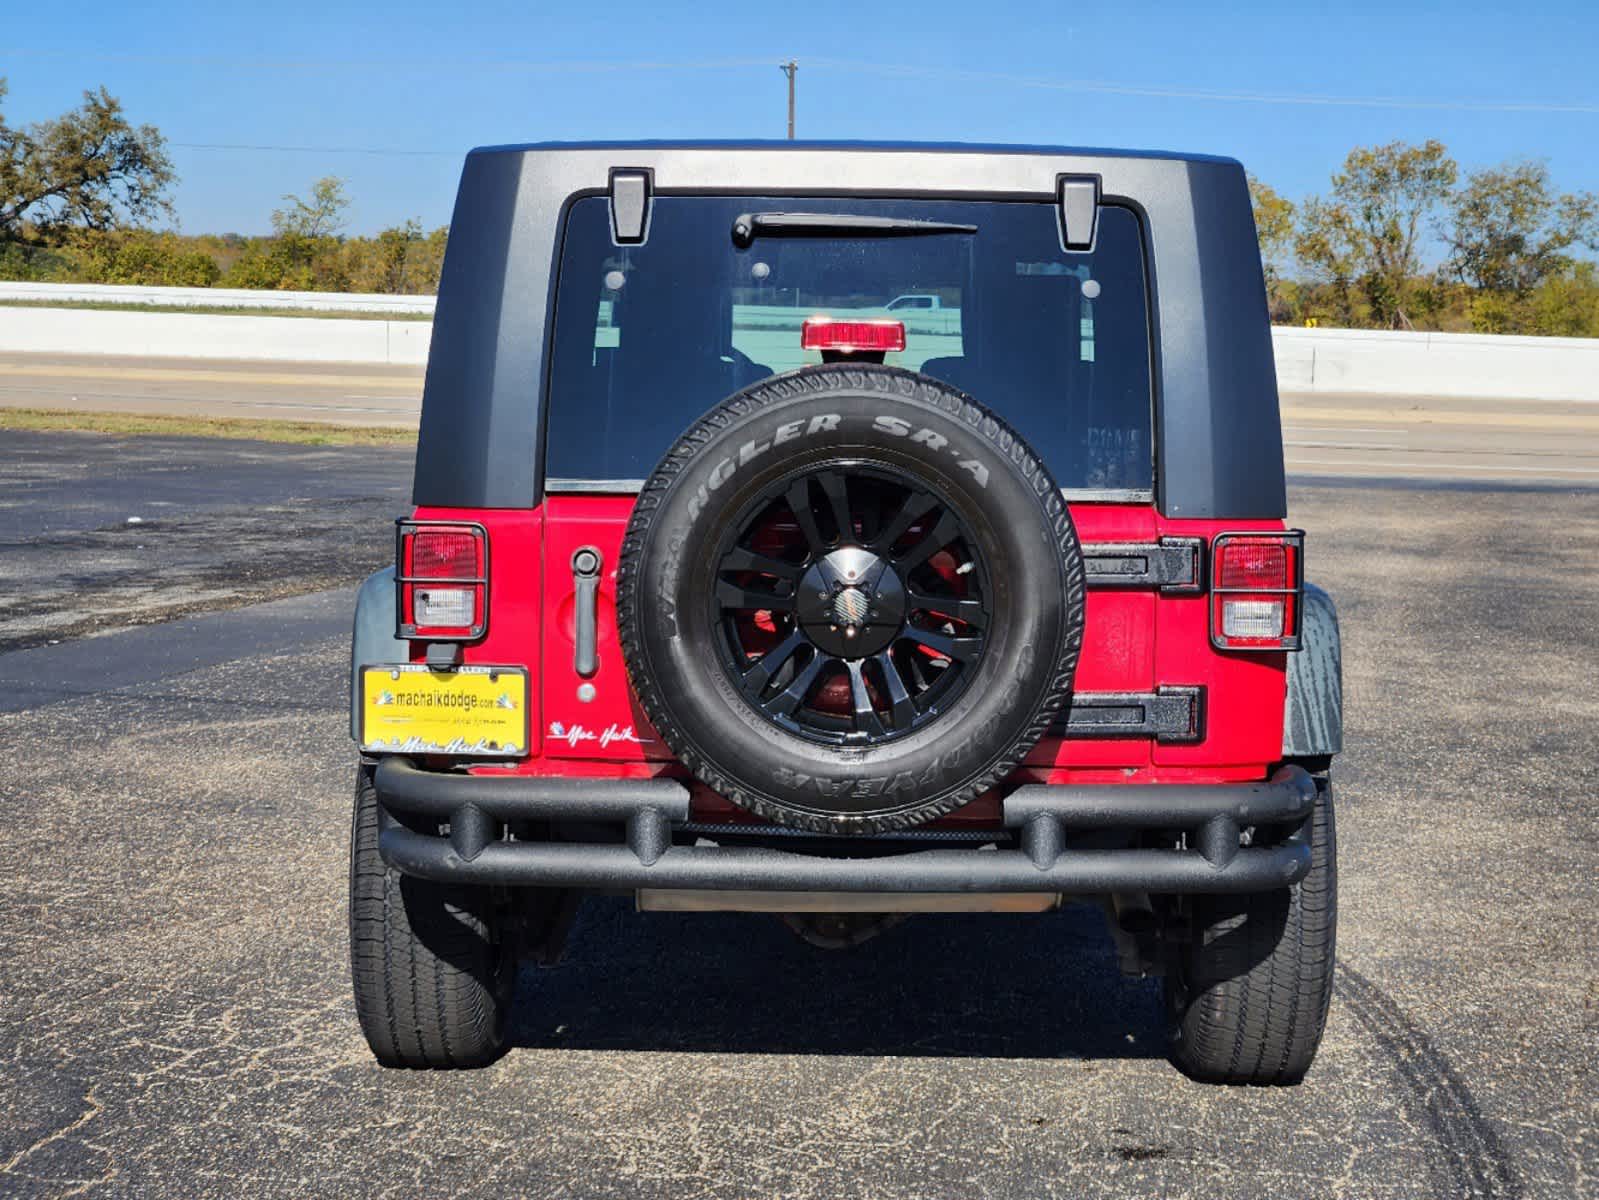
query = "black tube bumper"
{"x": 1037, "y": 854}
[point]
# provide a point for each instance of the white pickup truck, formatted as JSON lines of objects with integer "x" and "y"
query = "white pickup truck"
{"x": 914, "y": 302}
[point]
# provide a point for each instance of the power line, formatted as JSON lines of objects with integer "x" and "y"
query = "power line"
{"x": 1169, "y": 93}
{"x": 373, "y": 150}
{"x": 1105, "y": 87}
{"x": 790, "y": 69}
{"x": 396, "y": 64}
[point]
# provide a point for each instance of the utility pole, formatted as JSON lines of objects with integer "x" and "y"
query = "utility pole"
{"x": 790, "y": 68}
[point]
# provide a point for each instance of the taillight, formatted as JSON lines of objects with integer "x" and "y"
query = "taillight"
{"x": 1256, "y": 590}
{"x": 850, "y": 336}
{"x": 443, "y": 581}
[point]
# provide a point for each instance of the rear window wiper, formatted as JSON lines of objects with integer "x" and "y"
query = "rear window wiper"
{"x": 749, "y": 226}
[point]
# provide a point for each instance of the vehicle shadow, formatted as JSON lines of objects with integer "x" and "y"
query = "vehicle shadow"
{"x": 1007, "y": 986}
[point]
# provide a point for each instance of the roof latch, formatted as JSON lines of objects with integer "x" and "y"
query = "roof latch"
{"x": 631, "y": 188}
{"x": 1078, "y": 200}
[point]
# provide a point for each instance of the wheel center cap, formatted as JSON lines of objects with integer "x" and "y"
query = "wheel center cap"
{"x": 851, "y": 603}
{"x": 851, "y": 606}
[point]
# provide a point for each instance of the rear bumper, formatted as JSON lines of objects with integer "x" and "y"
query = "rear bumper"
{"x": 652, "y": 843}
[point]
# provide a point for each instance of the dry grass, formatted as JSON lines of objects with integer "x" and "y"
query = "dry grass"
{"x": 217, "y": 310}
{"x": 303, "y": 433}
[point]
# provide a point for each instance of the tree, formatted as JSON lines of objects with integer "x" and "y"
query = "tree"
{"x": 304, "y": 253}
{"x": 142, "y": 258}
{"x": 1274, "y": 226}
{"x": 1368, "y": 233}
{"x": 1508, "y": 233}
{"x": 88, "y": 168}
{"x": 1567, "y": 304}
{"x": 401, "y": 259}
{"x": 320, "y": 216}
{"x": 1328, "y": 245}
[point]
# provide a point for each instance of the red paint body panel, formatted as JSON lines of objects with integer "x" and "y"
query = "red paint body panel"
{"x": 1135, "y": 640}
{"x": 610, "y": 727}
{"x": 1118, "y": 647}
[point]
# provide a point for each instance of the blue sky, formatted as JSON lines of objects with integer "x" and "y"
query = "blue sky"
{"x": 1491, "y": 82}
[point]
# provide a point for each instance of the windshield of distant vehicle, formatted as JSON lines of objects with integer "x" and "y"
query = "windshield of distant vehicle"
{"x": 647, "y": 338}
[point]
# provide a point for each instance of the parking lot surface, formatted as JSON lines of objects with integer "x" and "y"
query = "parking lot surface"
{"x": 175, "y": 1016}
{"x": 99, "y": 532}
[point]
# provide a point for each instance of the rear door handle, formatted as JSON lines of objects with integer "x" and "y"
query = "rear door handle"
{"x": 586, "y": 565}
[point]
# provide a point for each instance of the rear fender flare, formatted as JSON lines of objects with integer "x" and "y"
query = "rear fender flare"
{"x": 372, "y": 640}
{"x": 1313, "y": 714}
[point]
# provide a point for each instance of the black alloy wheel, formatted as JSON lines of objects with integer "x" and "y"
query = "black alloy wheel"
{"x": 851, "y": 602}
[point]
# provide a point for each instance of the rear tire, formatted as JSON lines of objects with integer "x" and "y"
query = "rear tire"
{"x": 749, "y": 722}
{"x": 432, "y": 964}
{"x": 1251, "y": 991}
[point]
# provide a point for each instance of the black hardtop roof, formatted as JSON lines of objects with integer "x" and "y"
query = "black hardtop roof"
{"x": 733, "y": 146}
{"x": 1218, "y": 436}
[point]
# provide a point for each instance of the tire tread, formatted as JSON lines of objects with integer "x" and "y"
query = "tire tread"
{"x": 432, "y": 986}
{"x": 1252, "y": 999}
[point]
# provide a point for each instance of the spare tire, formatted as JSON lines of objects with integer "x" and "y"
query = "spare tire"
{"x": 850, "y": 599}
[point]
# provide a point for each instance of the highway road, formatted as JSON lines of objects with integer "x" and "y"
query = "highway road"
{"x": 346, "y": 394}
{"x": 175, "y": 1016}
{"x": 1353, "y": 436}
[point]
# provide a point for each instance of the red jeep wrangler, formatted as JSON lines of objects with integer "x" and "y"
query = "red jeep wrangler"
{"x": 728, "y": 587}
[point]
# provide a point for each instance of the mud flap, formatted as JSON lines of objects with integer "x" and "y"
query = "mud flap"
{"x": 1313, "y": 714}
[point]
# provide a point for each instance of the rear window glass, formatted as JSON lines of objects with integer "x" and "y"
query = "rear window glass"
{"x": 647, "y": 338}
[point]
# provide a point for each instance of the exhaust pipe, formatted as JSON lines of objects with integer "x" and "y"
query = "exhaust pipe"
{"x": 1134, "y": 913}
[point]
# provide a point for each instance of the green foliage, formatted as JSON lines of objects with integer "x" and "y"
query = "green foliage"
{"x": 142, "y": 258}
{"x": 319, "y": 217}
{"x": 402, "y": 261}
{"x": 1365, "y": 239}
{"x": 86, "y": 169}
{"x": 1274, "y": 225}
{"x": 295, "y": 262}
{"x": 78, "y": 194}
{"x": 1509, "y": 235}
{"x": 1513, "y": 247}
{"x": 33, "y": 264}
{"x": 1565, "y": 305}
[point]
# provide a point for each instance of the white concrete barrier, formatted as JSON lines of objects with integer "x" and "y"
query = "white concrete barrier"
{"x": 203, "y": 335}
{"x": 1436, "y": 364}
{"x": 1308, "y": 360}
{"x": 200, "y": 297}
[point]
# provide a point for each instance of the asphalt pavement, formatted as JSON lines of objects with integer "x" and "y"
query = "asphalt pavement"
{"x": 100, "y": 532}
{"x": 175, "y": 1016}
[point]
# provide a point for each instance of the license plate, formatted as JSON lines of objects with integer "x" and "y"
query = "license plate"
{"x": 411, "y": 708}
